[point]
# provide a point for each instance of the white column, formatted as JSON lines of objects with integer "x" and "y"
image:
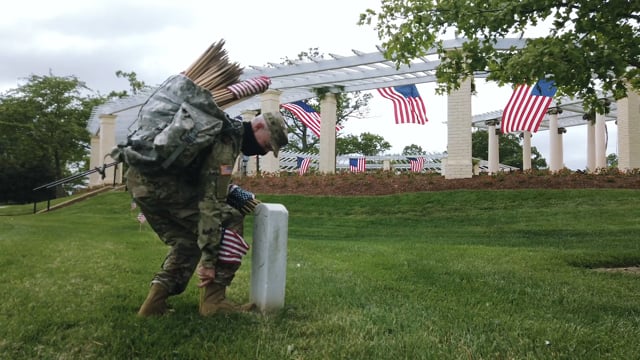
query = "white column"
{"x": 328, "y": 116}
{"x": 458, "y": 164}
{"x": 107, "y": 143}
{"x": 601, "y": 142}
{"x": 629, "y": 131}
{"x": 591, "y": 143}
{"x": 95, "y": 179}
{"x": 555, "y": 142}
{"x": 269, "y": 256}
{"x": 561, "y": 132}
{"x": 494, "y": 146}
{"x": 270, "y": 102}
{"x": 526, "y": 150}
{"x": 386, "y": 165}
{"x": 250, "y": 164}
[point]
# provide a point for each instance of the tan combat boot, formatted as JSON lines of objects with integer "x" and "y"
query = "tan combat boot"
{"x": 156, "y": 302}
{"x": 213, "y": 301}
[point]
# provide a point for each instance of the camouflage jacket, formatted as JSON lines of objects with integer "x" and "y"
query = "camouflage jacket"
{"x": 215, "y": 176}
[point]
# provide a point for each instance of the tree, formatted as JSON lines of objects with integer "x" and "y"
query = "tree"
{"x": 510, "y": 150}
{"x": 348, "y": 105}
{"x": 592, "y": 44}
{"x": 135, "y": 85}
{"x": 413, "y": 149}
{"x": 367, "y": 144}
{"x": 612, "y": 160}
{"x": 43, "y": 130}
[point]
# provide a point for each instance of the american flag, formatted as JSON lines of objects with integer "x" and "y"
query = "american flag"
{"x": 408, "y": 106}
{"x": 358, "y": 164}
{"x": 141, "y": 218}
{"x": 250, "y": 86}
{"x": 527, "y": 106}
{"x": 416, "y": 164}
{"x": 303, "y": 164}
{"x": 307, "y": 115}
{"x": 232, "y": 247}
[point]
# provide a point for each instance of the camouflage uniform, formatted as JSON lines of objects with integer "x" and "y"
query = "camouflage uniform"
{"x": 187, "y": 211}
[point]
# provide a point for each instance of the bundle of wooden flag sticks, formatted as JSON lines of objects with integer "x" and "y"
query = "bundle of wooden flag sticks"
{"x": 215, "y": 72}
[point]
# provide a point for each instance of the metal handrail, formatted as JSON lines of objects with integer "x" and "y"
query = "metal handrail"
{"x": 99, "y": 169}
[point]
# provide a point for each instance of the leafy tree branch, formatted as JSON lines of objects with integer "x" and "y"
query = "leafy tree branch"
{"x": 592, "y": 46}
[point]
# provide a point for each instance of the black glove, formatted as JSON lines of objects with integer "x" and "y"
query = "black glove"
{"x": 242, "y": 200}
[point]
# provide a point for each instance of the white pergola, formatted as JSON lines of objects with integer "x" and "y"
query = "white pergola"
{"x": 563, "y": 113}
{"x": 357, "y": 72}
{"x": 362, "y": 72}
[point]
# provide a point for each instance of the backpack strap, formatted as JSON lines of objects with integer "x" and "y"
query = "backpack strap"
{"x": 187, "y": 139}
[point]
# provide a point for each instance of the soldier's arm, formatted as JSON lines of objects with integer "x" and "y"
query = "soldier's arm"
{"x": 215, "y": 175}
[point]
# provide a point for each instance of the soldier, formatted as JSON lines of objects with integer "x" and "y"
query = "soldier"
{"x": 199, "y": 215}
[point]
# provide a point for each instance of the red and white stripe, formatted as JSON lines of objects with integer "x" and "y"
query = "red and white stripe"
{"x": 310, "y": 119}
{"x": 232, "y": 247}
{"x": 416, "y": 164}
{"x": 406, "y": 110}
{"x": 359, "y": 165}
{"x": 524, "y": 112}
{"x": 141, "y": 218}
{"x": 250, "y": 87}
{"x": 304, "y": 166}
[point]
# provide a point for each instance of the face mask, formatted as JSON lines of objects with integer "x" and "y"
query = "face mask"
{"x": 250, "y": 145}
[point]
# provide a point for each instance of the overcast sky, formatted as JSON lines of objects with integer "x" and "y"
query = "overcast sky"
{"x": 156, "y": 39}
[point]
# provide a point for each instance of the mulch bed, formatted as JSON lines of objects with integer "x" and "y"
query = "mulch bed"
{"x": 385, "y": 183}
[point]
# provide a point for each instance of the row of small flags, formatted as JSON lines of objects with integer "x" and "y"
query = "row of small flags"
{"x": 357, "y": 165}
{"x": 524, "y": 110}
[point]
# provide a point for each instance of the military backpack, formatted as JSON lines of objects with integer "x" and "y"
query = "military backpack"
{"x": 174, "y": 125}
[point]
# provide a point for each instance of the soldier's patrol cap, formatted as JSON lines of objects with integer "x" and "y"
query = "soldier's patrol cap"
{"x": 278, "y": 129}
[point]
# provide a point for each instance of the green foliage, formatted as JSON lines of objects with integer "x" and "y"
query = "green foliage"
{"x": 135, "y": 85}
{"x": 612, "y": 160}
{"x": 43, "y": 132}
{"x": 591, "y": 45}
{"x": 18, "y": 181}
{"x": 510, "y": 150}
{"x": 366, "y": 144}
{"x": 43, "y": 129}
{"x": 436, "y": 275}
{"x": 413, "y": 149}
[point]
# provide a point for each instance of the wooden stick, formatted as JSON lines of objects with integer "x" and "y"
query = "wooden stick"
{"x": 213, "y": 71}
{"x": 212, "y": 51}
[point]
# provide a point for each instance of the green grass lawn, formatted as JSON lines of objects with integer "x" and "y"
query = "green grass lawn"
{"x": 443, "y": 275}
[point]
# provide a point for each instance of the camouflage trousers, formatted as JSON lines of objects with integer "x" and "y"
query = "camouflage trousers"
{"x": 170, "y": 205}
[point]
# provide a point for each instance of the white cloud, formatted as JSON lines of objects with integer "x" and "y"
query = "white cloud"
{"x": 155, "y": 39}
